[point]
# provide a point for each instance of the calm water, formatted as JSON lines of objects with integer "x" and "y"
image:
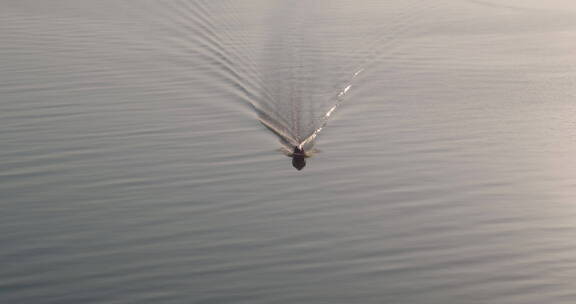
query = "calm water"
{"x": 135, "y": 166}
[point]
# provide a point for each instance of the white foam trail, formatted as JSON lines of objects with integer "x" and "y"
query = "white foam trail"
{"x": 339, "y": 100}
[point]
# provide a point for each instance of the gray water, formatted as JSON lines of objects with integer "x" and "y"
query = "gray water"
{"x": 135, "y": 166}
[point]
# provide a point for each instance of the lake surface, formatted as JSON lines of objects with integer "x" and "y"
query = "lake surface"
{"x": 136, "y": 167}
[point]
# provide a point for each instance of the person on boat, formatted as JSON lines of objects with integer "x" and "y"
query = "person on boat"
{"x": 298, "y": 158}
